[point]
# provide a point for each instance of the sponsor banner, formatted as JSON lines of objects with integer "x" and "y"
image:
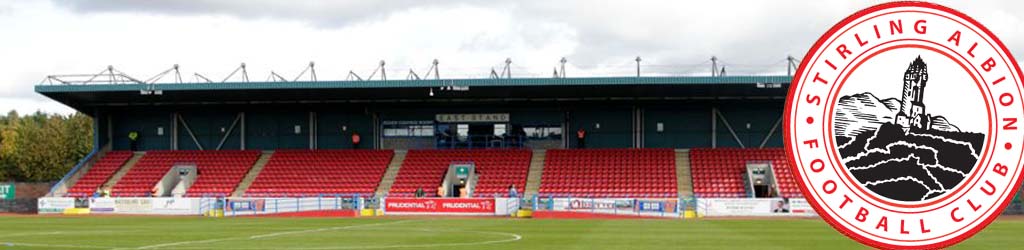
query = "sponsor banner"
{"x": 171, "y": 205}
{"x": 752, "y": 207}
{"x": 661, "y": 206}
{"x": 440, "y": 205}
{"x": 7, "y": 191}
{"x": 238, "y": 205}
{"x": 600, "y": 204}
{"x": 102, "y": 205}
{"x": 622, "y": 206}
{"x": 735, "y": 207}
{"x": 800, "y": 206}
{"x": 133, "y": 205}
{"x": 55, "y": 204}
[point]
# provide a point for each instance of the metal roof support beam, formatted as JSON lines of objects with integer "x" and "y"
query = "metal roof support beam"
{"x": 189, "y": 130}
{"x": 494, "y": 74}
{"x": 245, "y": 74}
{"x": 312, "y": 130}
{"x": 729, "y": 127}
{"x": 792, "y": 64}
{"x": 197, "y": 77}
{"x": 562, "y": 62}
{"x": 275, "y": 77}
{"x": 174, "y": 131}
{"x": 772, "y": 132}
{"x": 714, "y": 65}
{"x": 381, "y": 69}
{"x": 412, "y": 75}
{"x": 507, "y": 71}
{"x": 241, "y": 133}
{"x": 157, "y": 77}
{"x": 228, "y": 133}
{"x": 310, "y": 69}
{"x": 638, "y": 60}
{"x": 353, "y": 76}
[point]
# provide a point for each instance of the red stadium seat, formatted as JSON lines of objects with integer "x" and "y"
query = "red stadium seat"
{"x": 99, "y": 173}
{"x": 298, "y": 173}
{"x": 609, "y": 173}
{"x": 496, "y": 168}
{"x": 219, "y": 171}
{"x": 718, "y": 173}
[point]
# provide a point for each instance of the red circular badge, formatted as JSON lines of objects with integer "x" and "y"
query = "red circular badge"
{"x": 903, "y": 126}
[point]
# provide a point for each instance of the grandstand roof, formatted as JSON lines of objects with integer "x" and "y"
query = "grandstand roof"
{"x": 80, "y": 96}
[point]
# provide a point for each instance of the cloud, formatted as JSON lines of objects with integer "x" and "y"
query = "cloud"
{"x": 598, "y": 38}
{"x": 329, "y": 14}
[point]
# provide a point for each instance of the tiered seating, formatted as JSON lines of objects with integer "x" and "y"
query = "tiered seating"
{"x": 787, "y": 182}
{"x": 219, "y": 171}
{"x": 296, "y": 173}
{"x": 223, "y": 173}
{"x": 719, "y": 172}
{"x": 496, "y": 168}
{"x": 99, "y": 173}
{"x": 609, "y": 173}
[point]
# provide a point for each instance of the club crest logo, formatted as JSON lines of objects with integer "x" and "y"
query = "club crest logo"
{"x": 902, "y": 126}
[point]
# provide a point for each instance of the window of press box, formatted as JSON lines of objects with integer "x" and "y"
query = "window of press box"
{"x": 407, "y": 129}
{"x": 543, "y": 132}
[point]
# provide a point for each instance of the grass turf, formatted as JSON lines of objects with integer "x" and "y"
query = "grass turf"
{"x": 31, "y": 232}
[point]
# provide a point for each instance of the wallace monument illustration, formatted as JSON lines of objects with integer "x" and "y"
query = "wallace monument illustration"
{"x": 896, "y": 149}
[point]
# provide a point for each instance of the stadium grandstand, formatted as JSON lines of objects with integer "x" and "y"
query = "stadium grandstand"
{"x": 670, "y": 139}
{"x": 560, "y": 147}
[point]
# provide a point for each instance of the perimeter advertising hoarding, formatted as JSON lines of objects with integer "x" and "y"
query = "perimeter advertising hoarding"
{"x": 440, "y": 205}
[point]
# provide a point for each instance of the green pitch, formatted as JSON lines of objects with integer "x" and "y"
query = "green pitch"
{"x": 440, "y": 233}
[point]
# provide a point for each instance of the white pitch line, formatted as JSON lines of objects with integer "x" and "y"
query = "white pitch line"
{"x": 171, "y": 244}
{"x": 29, "y": 234}
{"x": 325, "y": 229}
{"x": 14, "y": 244}
{"x": 512, "y": 237}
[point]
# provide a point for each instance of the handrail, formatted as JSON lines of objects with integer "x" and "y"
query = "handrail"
{"x": 95, "y": 151}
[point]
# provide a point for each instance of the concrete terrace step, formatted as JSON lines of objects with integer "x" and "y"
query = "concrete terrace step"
{"x": 253, "y": 172}
{"x": 392, "y": 172}
{"x": 536, "y": 171}
{"x": 123, "y": 171}
{"x": 683, "y": 177}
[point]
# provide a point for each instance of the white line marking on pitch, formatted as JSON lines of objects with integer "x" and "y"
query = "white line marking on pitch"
{"x": 512, "y": 237}
{"x": 12, "y": 244}
{"x": 171, "y": 244}
{"x": 515, "y": 237}
{"x": 29, "y": 234}
{"x": 324, "y": 229}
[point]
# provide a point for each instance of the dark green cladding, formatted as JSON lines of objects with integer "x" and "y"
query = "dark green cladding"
{"x": 582, "y": 81}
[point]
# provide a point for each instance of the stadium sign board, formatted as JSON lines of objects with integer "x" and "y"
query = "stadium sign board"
{"x": 54, "y": 204}
{"x": 7, "y": 191}
{"x": 453, "y": 118}
{"x": 902, "y": 126}
{"x": 753, "y": 207}
{"x": 258, "y": 205}
{"x": 441, "y": 205}
{"x": 102, "y": 205}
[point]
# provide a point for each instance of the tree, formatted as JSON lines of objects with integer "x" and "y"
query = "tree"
{"x": 41, "y": 146}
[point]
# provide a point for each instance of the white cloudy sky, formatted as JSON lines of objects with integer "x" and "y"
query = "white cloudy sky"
{"x": 142, "y": 38}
